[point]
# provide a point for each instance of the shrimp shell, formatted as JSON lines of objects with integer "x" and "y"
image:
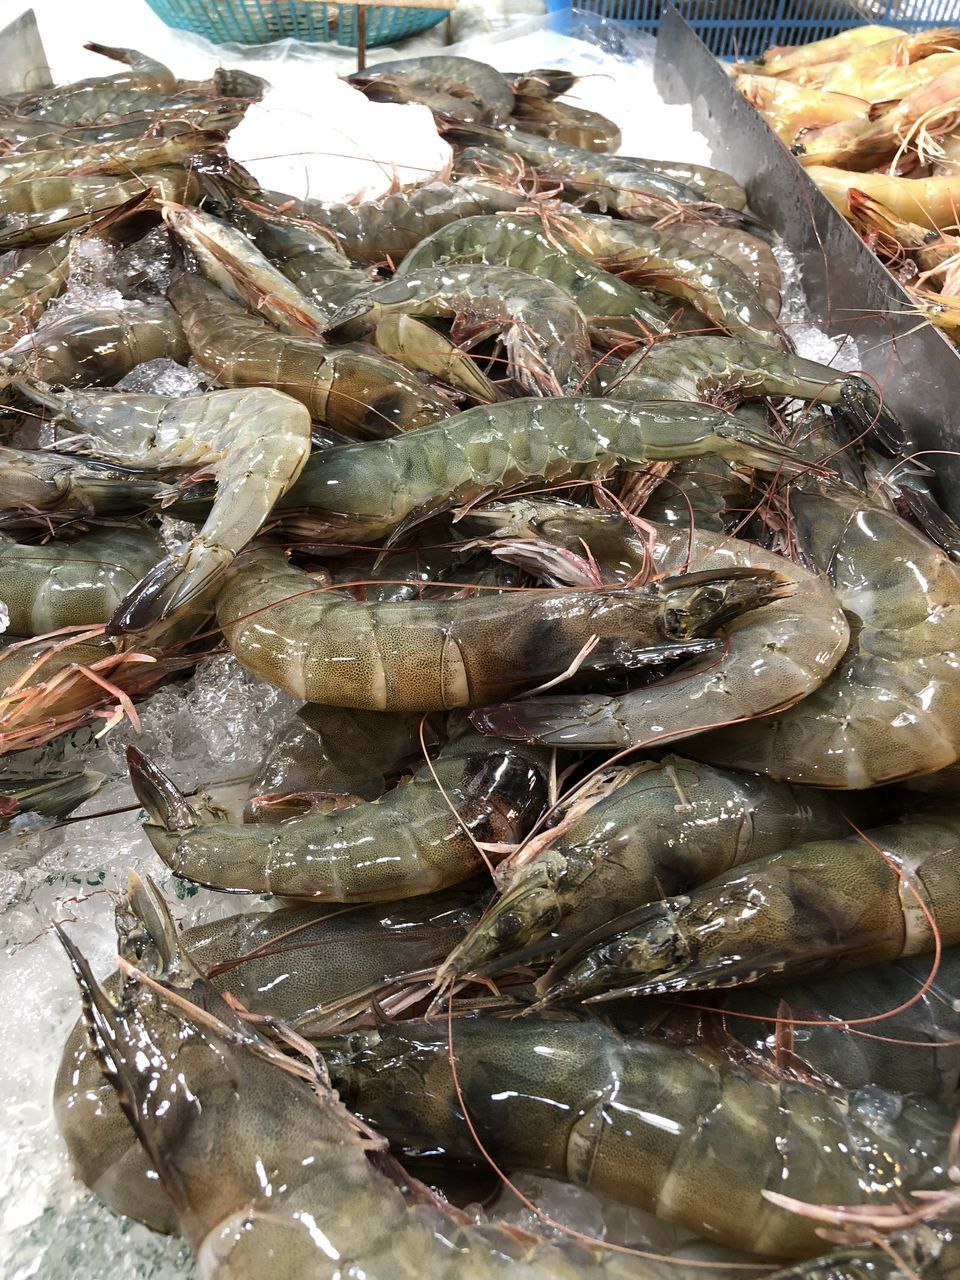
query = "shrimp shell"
{"x": 772, "y": 659}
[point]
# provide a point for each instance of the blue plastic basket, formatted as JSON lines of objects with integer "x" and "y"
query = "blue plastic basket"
{"x": 744, "y": 28}
{"x": 262, "y": 21}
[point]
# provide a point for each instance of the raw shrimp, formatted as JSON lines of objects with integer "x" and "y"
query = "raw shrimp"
{"x": 771, "y": 659}
{"x": 568, "y": 123}
{"x": 694, "y": 1140}
{"x": 668, "y": 261}
{"x": 255, "y": 443}
{"x": 713, "y": 184}
{"x": 829, "y": 904}
{"x": 665, "y": 828}
{"x": 36, "y": 212}
{"x": 726, "y": 371}
{"x": 98, "y": 347}
{"x": 931, "y": 202}
{"x": 70, "y": 584}
{"x": 233, "y": 262}
{"x": 145, "y": 74}
{"x": 790, "y": 109}
{"x": 215, "y": 1105}
{"x": 386, "y": 229}
{"x": 365, "y": 492}
{"x": 461, "y": 87}
{"x": 612, "y": 307}
{"x": 892, "y": 707}
{"x": 433, "y": 655}
{"x": 753, "y": 256}
{"x": 634, "y": 189}
{"x": 355, "y": 390}
{"x": 96, "y": 106}
{"x": 417, "y": 839}
{"x": 309, "y": 257}
{"x": 544, "y": 333}
{"x": 32, "y": 482}
{"x": 124, "y": 158}
{"x": 914, "y": 1050}
{"x": 296, "y": 963}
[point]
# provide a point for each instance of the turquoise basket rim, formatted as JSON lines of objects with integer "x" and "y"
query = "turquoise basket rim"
{"x": 264, "y": 21}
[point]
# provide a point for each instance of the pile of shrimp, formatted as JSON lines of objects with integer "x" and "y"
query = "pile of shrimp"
{"x": 874, "y": 116}
{"x": 616, "y": 837}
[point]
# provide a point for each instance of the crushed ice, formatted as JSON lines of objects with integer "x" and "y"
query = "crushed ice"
{"x": 91, "y": 263}
{"x": 795, "y": 318}
{"x": 163, "y": 377}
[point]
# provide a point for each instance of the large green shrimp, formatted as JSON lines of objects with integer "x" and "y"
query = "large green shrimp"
{"x": 823, "y": 905}
{"x": 668, "y": 261}
{"x": 418, "y": 838}
{"x": 542, "y": 330}
{"x": 892, "y": 708}
{"x": 385, "y": 229}
{"x": 664, "y": 828}
{"x": 727, "y": 371}
{"x": 310, "y": 965}
{"x": 255, "y": 442}
{"x": 100, "y": 346}
{"x": 771, "y": 659}
{"x": 693, "y": 1139}
{"x": 433, "y": 655}
{"x": 264, "y": 1167}
{"x": 355, "y": 390}
{"x": 362, "y": 493}
{"x": 459, "y": 87}
{"x": 612, "y": 307}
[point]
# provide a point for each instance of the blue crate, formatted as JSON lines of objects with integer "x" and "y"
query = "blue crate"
{"x": 262, "y": 21}
{"x": 744, "y": 28}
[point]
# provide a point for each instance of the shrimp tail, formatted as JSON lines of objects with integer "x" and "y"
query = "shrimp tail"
{"x": 865, "y": 413}
{"x": 126, "y": 56}
{"x": 932, "y": 519}
{"x": 166, "y": 805}
{"x": 173, "y": 584}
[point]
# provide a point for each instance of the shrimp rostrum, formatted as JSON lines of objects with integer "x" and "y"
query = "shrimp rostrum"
{"x": 254, "y": 441}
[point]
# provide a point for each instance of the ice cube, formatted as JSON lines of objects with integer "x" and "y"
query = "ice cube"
{"x": 161, "y": 377}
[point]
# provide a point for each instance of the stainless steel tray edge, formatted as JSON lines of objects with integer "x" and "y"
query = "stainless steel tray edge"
{"x": 846, "y": 287}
